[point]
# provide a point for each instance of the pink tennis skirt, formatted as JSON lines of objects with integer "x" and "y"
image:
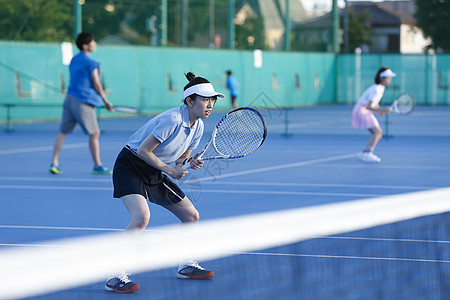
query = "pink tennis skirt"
{"x": 363, "y": 118}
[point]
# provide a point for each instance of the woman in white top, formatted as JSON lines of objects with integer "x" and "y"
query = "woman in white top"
{"x": 368, "y": 103}
{"x": 162, "y": 146}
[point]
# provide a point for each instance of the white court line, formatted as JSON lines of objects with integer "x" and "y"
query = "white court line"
{"x": 39, "y": 187}
{"x": 71, "y": 228}
{"x": 285, "y": 166}
{"x": 213, "y": 178}
{"x": 430, "y": 113}
{"x": 260, "y": 170}
{"x": 274, "y": 254}
{"x": 159, "y": 230}
{"x": 401, "y": 167}
{"x": 384, "y": 239}
{"x": 336, "y": 185}
{"x": 291, "y": 193}
{"x": 59, "y": 228}
{"x": 54, "y": 187}
{"x": 248, "y": 183}
{"x": 43, "y": 148}
{"x": 53, "y": 179}
{"x": 348, "y": 257}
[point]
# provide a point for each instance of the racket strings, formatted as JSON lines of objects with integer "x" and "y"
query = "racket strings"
{"x": 405, "y": 104}
{"x": 240, "y": 133}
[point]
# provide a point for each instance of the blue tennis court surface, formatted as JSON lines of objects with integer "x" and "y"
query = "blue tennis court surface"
{"x": 309, "y": 158}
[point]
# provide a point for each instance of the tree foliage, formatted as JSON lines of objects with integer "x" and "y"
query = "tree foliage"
{"x": 250, "y": 35}
{"x": 358, "y": 30}
{"x": 123, "y": 19}
{"x": 36, "y": 20}
{"x": 433, "y": 16}
{"x": 126, "y": 20}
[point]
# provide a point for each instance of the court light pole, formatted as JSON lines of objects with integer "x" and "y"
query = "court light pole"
{"x": 77, "y": 11}
{"x": 335, "y": 47}
{"x": 287, "y": 28}
{"x": 212, "y": 31}
{"x": 164, "y": 23}
{"x": 231, "y": 4}
{"x": 346, "y": 34}
{"x": 184, "y": 23}
{"x": 335, "y": 19}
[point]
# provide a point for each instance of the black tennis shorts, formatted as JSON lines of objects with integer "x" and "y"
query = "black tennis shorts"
{"x": 132, "y": 175}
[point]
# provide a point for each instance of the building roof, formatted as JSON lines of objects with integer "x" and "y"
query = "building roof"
{"x": 407, "y": 7}
{"x": 381, "y": 14}
{"x": 273, "y": 12}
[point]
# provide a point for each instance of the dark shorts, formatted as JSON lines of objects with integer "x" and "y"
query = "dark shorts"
{"x": 132, "y": 175}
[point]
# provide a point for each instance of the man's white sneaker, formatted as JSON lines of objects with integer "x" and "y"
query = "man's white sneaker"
{"x": 370, "y": 157}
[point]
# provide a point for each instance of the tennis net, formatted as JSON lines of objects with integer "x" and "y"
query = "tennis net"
{"x": 394, "y": 247}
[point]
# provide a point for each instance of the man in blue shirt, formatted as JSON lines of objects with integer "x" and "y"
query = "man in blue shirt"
{"x": 233, "y": 86}
{"x": 85, "y": 92}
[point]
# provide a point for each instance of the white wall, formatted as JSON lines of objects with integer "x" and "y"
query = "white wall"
{"x": 412, "y": 39}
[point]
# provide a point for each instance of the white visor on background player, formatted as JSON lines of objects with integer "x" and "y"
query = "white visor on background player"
{"x": 387, "y": 73}
{"x": 203, "y": 89}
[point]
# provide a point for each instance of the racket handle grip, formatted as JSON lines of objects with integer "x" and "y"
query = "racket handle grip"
{"x": 187, "y": 165}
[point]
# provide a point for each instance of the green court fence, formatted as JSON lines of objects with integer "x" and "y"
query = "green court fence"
{"x": 427, "y": 77}
{"x": 33, "y": 77}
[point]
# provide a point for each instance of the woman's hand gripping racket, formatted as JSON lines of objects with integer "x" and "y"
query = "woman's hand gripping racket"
{"x": 239, "y": 133}
{"x": 404, "y": 104}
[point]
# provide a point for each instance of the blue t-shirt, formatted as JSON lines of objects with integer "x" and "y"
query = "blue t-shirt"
{"x": 81, "y": 85}
{"x": 172, "y": 129}
{"x": 233, "y": 85}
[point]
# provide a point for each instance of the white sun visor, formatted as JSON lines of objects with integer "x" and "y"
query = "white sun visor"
{"x": 202, "y": 89}
{"x": 387, "y": 73}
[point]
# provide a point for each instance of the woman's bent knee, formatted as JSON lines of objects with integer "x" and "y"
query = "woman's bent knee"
{"x": 192, "y": 217}
{"x": 140, "y": 221}
{"x": 195, "y": 217}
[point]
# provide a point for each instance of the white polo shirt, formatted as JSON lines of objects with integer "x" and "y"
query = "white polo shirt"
{"x": 172, "y": 129}
{"x": 374, "y": 93}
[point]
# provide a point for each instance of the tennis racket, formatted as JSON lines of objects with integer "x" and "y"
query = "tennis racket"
{"x": 239, "y": 133}
{"x": 404, "y": 104}
{"x": 126, "y": 109}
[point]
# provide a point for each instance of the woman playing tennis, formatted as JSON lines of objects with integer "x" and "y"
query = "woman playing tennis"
{"x": 368, "y": 103}
{"x": 166, "y": 139}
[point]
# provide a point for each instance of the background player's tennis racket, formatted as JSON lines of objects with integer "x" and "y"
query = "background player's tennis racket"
{"x": 126, "y": 109}
{"x": 239, "y": 133}
{"x": 404, "y": 104}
